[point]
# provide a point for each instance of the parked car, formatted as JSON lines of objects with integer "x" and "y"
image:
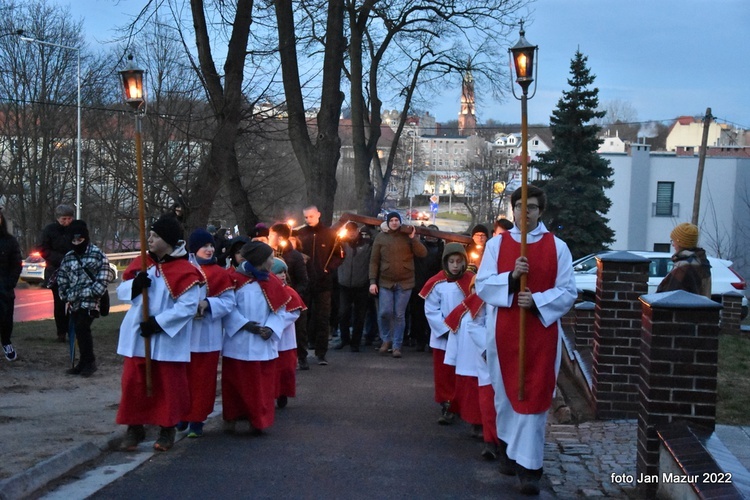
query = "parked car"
{"x": 415, "y": 214}
{"x": 723, "y": 278}
{"x": 32, "y": 268}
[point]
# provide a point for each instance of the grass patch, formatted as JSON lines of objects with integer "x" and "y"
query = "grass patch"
{"x": 734, "y": 383}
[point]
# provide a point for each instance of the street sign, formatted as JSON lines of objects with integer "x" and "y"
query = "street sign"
{"x": 433, "y": 207}
{"x": 434, "y": 199}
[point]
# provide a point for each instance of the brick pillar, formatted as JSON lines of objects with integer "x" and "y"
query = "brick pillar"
{"x": 584, "y": 324}
{"x": 679, "y": 363}
{"x": 731, "y": 314}
{"x": 622, "y": 277}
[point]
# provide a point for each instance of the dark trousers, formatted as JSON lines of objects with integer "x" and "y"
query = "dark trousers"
{"x": 7, "y": 303}
{"x": 82, "y": 322}
{"x": 418, "y": 321}
{"x": 61, "y": 319}
{"x": 318, "y": 324}
{"x": 353, "y": 304}
{"x": 300, "y": 327}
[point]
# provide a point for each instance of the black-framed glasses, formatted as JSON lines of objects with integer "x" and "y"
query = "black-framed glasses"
{"x": 529, "y": 208}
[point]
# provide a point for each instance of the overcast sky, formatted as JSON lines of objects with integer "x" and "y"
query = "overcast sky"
{"x": 665, "y": 57}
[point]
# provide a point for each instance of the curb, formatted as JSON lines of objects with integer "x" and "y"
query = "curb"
{"x": 27, "y": 482}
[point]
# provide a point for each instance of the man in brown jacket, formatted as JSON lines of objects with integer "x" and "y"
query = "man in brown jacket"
{"x": 392, "y": 278}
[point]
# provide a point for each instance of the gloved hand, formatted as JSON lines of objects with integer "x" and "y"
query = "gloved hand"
{"x": 150, "y": 327}
{"x": 252, "y": 327}
{"x": 140, "y": 282}
{"x": 256, "y": 329}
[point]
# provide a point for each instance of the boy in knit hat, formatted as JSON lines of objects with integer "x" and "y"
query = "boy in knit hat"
{"x": 691, "y": 271}
{"x": 479, "y": 236}
{"x": 82, "y": 280}
{"x": 173, "y": 285}
{"x": 442, "y": 294}
{"x": 207, "y": 334}
{"x": 252, "y": 333}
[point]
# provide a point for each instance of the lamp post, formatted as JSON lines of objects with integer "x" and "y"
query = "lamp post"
{"x": 411, "y": 174}
{"x": 523, "y": 55}
{"x": 78, "y": 135}
{"x": 132, "y": 81}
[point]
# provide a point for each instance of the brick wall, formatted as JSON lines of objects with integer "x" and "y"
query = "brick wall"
{"x": 584, "y": 325}
{"x": 622, "y": 277}
{"x": 679, "y": 364}
{"x": 731, "y": 314}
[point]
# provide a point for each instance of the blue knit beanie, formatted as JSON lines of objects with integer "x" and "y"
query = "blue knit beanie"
{"x": 198, "y": 239}
{"x": 392, "y": 215}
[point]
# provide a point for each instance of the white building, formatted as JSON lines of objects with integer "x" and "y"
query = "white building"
{"x": 653, "y": 192}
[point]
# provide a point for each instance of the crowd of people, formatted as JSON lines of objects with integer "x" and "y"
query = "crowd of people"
{"x": 255, "y": 304}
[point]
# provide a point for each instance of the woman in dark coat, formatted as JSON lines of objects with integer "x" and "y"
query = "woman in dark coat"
{"x": 10, "y": 271}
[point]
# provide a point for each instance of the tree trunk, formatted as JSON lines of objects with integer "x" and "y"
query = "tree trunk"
{"x": 318, "y": 160}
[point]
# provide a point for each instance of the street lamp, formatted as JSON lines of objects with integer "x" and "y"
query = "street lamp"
{"x": 132, "y": 82}
{"x": 78, "y": 136}
{"x": 523, "y": 55}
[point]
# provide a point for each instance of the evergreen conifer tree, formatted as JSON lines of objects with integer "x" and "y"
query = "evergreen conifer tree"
{"x": 575, "y": 176}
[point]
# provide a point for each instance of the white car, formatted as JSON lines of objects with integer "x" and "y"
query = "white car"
{"x": 32, "y": 269}
{"x": 723, "y": 278}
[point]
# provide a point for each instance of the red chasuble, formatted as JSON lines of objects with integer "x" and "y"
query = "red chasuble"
{"x": 541, "y": 342}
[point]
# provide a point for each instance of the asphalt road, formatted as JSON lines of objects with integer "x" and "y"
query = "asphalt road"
{"x": 363, "y": 427}
{"x": 33, "y": 302}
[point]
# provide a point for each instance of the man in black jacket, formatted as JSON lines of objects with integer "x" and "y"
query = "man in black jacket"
{"x": 319, "y": 242}
{"x": 54, "y": 244}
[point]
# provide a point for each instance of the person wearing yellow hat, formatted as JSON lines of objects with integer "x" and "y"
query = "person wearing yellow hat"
{"x": 691, "y": 271}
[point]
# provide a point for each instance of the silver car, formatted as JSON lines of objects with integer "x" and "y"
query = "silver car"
{"x": 723, "y": 278}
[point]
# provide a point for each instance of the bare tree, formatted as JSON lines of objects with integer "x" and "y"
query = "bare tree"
{"x": 38, "y": 121}
{"x": 396, "y": 48}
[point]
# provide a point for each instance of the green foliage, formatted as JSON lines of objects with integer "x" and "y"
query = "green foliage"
{"x": 575, "y": 174}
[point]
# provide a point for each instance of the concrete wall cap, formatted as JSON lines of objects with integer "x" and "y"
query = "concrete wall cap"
{"x": 585, "y": 305}
{"x": 621, "y": 256}
{"x": 678, "y": 299}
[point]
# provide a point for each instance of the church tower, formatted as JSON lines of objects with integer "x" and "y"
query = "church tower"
{"x": 467, "y": 118}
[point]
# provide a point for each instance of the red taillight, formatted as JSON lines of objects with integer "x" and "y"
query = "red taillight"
{"x": 35, "y": 254}
{"x": 739, "y": 285}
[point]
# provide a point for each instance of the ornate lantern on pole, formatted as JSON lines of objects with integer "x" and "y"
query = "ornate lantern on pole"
{"x": 132, "y": 81}
{"x": 523, "y": 55}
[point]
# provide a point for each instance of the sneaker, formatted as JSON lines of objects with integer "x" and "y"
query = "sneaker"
{"x": 133, "y": 436}
{"x": 322, "y": 361}
{"x": 88, "y": 370}
{"x": 384, "y": 348}
{"x": 303, "y": 365}
{"x": 230, "y": 426}
{"x": 446, "y": 417}
{"x": 529, "y": 480}
{"x": 397, "y": 353}
{"x": 489, "y": 451}
{"x": 476, "y": 431}
{"x": 181, "y": 426}
{"x": 508, "y": 466}
{"x": 166, "y": 439}
{"x": 195, "y": 430}
{"x": 10, "y": 353}
{"x": 281, "y": 401}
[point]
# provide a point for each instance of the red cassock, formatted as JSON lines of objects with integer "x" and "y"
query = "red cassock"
{"x": 203, "y": 366}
